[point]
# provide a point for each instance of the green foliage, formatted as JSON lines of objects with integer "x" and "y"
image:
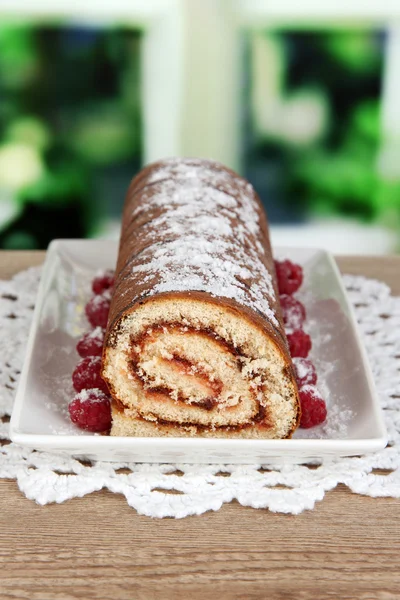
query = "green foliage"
{"x": 338, "y": 171}
{"x": 365, "y": 122}
{"x": 339, "y": 182}
{"x": 387, "y": 200}
{"x": 357, "y": 51}
{"x": 20, "y": 165}
{"x": 346, "y": 179}
{"x": 19, "y": 240}
{"x": 69, "y": 110}
{"x": 29, "y": 130}
{"x": 100, "y": 134}
{"x": 58, "y": 185}
{"x": 18, "y": 55}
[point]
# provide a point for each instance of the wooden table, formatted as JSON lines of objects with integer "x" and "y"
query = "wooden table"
{"x": 347, "y": 548}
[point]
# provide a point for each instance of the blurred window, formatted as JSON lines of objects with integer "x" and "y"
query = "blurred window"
{"x": 313, "y": 123}
{"x": 70, "y": 129}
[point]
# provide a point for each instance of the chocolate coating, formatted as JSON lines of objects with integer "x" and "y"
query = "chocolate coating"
{"x": 169, "y": 205}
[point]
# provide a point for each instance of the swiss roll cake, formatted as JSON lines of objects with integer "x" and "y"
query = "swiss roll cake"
{"x": 195, "y": 344}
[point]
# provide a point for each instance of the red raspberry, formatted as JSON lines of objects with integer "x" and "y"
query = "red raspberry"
{"x": 91, "y": 410}
{"x": 87, "y": 375}
{"x": 289, "y": 275}
{"x": 103, "y": 281}
{"x": 293, "y": 311}
{"x": 97, "y": 310}
{"x": 305, "y": 372}
{"x": 92, "y": 343}
{"x": 313, "y": 407}
{"x": 299, "y": 343}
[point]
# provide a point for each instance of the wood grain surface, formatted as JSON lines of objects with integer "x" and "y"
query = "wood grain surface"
{"x": 347, "y": 548}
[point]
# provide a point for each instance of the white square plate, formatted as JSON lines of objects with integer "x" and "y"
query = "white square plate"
{"x": 40, "y": 417}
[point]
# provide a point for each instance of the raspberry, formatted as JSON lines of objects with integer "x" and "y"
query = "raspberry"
{"x": 92, "y": 343}
{"x": 97, "y": 310}
{"x": 91, "y": 410}
{"x": 299, "y": 343}
{"x": 293, "y": 311}
{"x": 103, "y": 281}
{"x": 86, "y": 375}
{"x": 305, "y": 372}
{"x": 313, "y": 407}
{"x": 289, "y": 276}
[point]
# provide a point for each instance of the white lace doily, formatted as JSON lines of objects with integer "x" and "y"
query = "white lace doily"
{"x": 182, "y": 490}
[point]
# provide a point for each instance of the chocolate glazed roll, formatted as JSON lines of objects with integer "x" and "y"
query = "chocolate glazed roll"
{"x": 195, "y": 344}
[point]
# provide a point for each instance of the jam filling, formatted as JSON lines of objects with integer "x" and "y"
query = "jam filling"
{"x": 260, "y": 419}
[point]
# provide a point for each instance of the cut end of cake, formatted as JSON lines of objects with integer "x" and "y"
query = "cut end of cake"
{"x": 184, "y": 365}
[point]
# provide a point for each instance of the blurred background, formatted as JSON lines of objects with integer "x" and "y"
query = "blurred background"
{"x": 302, "y": 99}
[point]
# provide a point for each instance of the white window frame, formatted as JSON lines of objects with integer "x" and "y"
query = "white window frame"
{"x": 258, "y": 13}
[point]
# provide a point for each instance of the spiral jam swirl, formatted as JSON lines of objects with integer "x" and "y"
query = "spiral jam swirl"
{"x": 186, "y": 376}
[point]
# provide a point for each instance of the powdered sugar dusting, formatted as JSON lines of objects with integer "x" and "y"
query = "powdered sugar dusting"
{"x": 302, "y": 368}
{"x": 96, "y": 334}
{"x": 92, "y": 394}
{"x": 101, "y": 299}
{"x": 337, "y": 422}
{"x": 90, "y": 361}
{"x": 212, "y": 239}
